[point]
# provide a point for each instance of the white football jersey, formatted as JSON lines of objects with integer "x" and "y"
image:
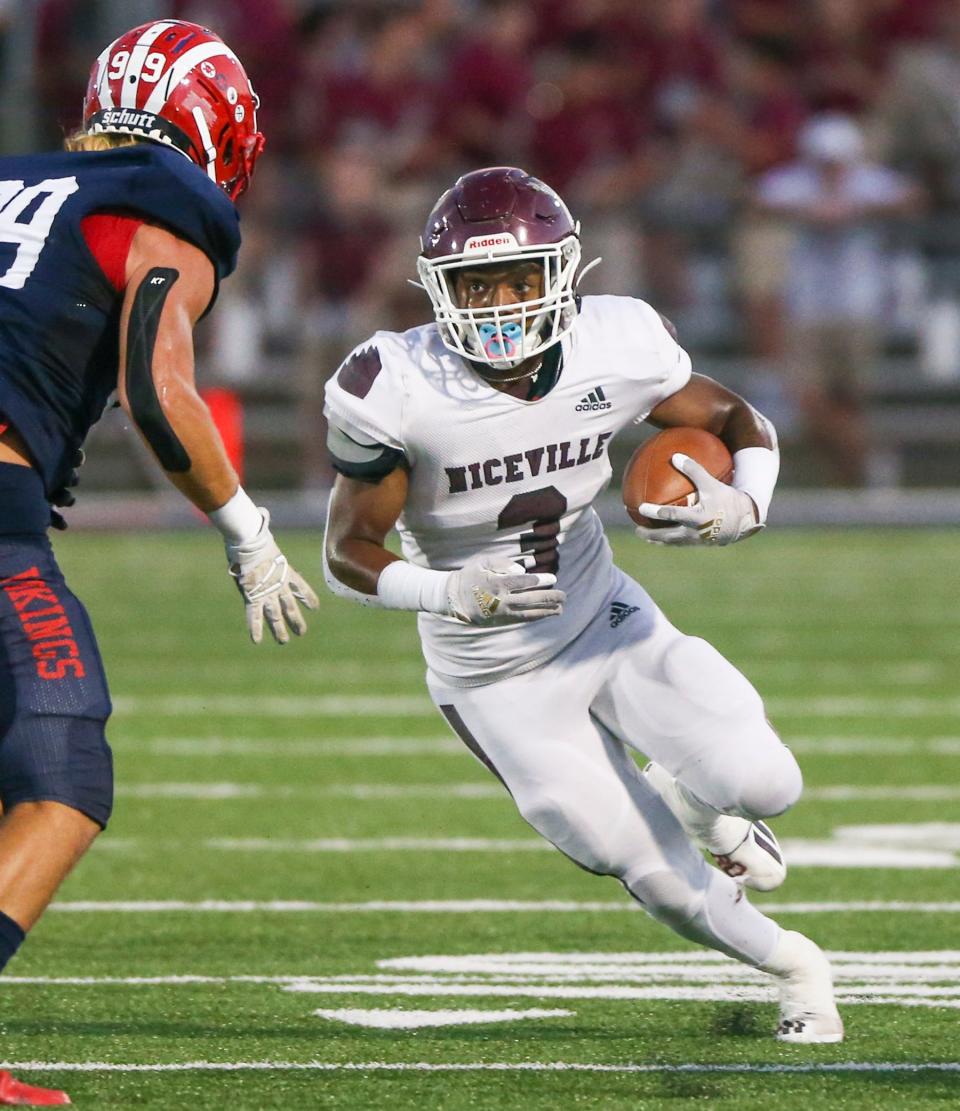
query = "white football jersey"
{"x": 490, "y": 473}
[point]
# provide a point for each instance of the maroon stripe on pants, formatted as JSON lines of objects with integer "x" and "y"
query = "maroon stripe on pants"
{"x": 459, "y": 726}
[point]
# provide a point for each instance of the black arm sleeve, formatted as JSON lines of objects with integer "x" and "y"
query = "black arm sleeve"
{"x": 145, "y": 406}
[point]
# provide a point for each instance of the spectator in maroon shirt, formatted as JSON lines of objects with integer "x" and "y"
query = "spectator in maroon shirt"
{"x": 759, "y": 117}
{"x": 264, "y": 34}
{"x": 780, "y": 21}
{"x": 676, "y": 46}
{"x": 487, "y": 82}
{"x": 561, "y": 24}
{"x": 343, "y": 237}
{"x": 758, "y": 125}
{"x": 898, "y": 21}
{"x": 580, "y": 123}
{"x": 843, "y": 57}
{"x": 350, "y": 273}
{"x": 385, "y": 100}
{"x": 68, "y": 36}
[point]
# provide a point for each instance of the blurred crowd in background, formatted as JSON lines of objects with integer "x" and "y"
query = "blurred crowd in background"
{"x": 781, "y": 178}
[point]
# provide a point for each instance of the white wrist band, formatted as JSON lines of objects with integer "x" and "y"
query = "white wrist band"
{"x": 404, "y": 586}
{"x": 239, "y": 520}
{"x": 755, "y": 471}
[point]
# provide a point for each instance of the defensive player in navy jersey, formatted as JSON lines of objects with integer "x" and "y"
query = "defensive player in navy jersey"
{"x": 110, "y": 252}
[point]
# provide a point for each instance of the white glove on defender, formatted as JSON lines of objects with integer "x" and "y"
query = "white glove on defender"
{"x": 487, "y": 591}
{"x": 721, "y": 515}
{"x": 270, "y": 587}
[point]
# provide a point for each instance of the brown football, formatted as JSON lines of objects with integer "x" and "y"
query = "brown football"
{"x": 651, "y": 477}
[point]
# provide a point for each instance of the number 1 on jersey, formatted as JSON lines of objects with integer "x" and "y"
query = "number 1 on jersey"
{"x": 543, "y": 509}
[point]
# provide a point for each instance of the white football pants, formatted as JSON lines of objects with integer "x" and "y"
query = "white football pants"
{"x": 558, "y": 738}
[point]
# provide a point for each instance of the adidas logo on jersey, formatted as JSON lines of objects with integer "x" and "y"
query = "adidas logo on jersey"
{"x": 595, "y": 399}
{"x": 619, "y": 612}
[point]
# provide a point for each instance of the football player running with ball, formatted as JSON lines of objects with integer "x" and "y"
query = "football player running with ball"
{"x": 112, "y": 250}
{"x": 483, "y": 438}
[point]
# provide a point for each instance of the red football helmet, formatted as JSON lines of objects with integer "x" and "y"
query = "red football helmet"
{"x": 496, "y": 215}
{"x": 178, "y": 83}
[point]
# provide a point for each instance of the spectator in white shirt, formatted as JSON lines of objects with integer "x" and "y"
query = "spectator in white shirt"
{"x": 836, "y": 284}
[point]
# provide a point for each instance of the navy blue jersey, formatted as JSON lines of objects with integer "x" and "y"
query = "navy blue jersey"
{"x": 59, "y": 315}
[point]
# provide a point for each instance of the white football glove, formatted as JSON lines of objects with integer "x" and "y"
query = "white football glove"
{"x": 270, "y": 587}
{"x": 721, "y": 514}
{"x": 488, "y": 591}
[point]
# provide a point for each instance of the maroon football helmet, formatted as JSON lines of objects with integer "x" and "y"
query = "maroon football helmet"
{"x": 178, "y": 83}
{"x": 499, "y": 215}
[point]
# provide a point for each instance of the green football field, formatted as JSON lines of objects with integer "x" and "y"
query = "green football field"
{"x": 312, "y": 896}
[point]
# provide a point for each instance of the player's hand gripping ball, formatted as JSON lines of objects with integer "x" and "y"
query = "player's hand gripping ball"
{"x": 651, "y": 476}
{"x": 676, "y": 488}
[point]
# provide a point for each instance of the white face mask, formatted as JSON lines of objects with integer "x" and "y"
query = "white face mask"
{"x": 504, "y": 336}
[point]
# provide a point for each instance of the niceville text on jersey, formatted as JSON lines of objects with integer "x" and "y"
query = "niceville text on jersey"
{"x": 59, "y": 315}
{"x": 527, "y": 464}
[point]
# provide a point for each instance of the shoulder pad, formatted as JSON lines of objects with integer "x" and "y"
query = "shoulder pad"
{"x": 167, "y": 188}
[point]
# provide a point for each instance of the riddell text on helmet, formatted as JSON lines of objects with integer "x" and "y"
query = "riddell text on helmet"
{"x": 483, "y": 242}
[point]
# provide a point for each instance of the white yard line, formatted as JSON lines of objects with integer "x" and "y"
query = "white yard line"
{"x": 681, "y": 964}
{"x": 360, "y": 792}
{"x": 464, "y": 906}
{"x": 921, "y": 792}
{"x": 862, "y": 907}
{"x": 899, "y": 978}
{"x": 845, "y": 852}
{"x": 912, "y": 706}
{"x": 479, "y": 1066}
{"x": 305, "y": 747}
{"x": 873, "y": 746}
{"x": 426, "y": 906}
{"x": 926, "y": 845}
{"x": 399, "y": 705}
{"x": 905, "y": 673}
{"x": 405, "y": 746}
{"x": 247, "y": 705}
{"x": 375, "y": 792}
{"x": 310, "y": 747}
{"x": 383, "y": 1019}
{"x": 379, "y": 845}
{"x": 802, "y": 853}
{"x": 854, "y": 746}
{"x": 721, "y": 993}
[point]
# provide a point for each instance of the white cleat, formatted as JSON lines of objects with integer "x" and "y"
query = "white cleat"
{"x": 746, "y": 851}
{"x": 757, "y": 861}
{"x": 808, "y": 1013}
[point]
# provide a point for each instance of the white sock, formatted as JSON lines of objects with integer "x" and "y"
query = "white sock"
{"x": 718, "y": 832}
{"x": 710, "y": 909}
